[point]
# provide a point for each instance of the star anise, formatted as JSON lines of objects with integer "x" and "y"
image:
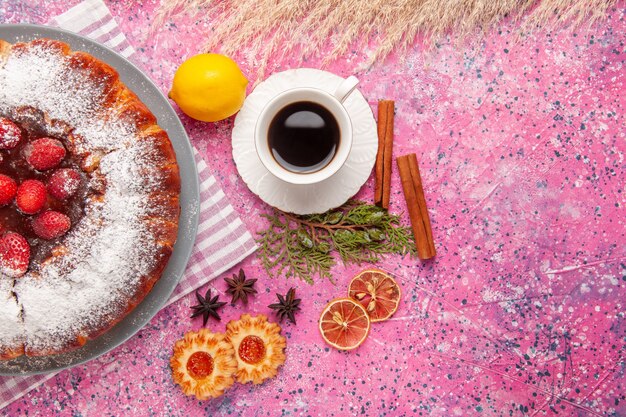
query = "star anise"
{"x": 239, "y": 287}
{"x": 207, "y": 306}
{"x": 287, "y": 305}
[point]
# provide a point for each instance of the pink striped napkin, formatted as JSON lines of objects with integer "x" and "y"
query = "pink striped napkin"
{"x": 222, "y": 240}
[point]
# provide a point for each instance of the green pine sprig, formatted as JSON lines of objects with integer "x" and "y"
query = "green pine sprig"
{"x": 305, "y": 246}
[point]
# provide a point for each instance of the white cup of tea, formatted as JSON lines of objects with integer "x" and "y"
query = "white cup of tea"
{"x": 304, "y": 134}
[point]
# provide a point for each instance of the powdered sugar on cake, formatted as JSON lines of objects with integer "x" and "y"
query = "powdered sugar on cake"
{"x": 102, "y": 263}
{"x": 11, "y": 327}
{"x": 42, "y": 79}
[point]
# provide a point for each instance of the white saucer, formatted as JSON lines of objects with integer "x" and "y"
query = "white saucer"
{"x": 305, "y": 199}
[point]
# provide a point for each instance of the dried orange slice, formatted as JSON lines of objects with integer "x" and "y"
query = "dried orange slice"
{"x": 344, "y": 324}
{"x": 378, "y": 292}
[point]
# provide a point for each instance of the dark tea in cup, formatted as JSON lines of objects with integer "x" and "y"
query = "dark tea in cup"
{"x": 303, "y": 136}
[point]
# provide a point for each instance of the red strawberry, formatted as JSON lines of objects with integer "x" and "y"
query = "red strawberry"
{"x": 51, "y": 224}
{"x": 8, "y": 189}
{"x": 14, "y": 255}
{"x": 63, "y": 183}
{"x": 10, "y": 134}
{"x": 31, "y": 196}
{"x": 44, "y": 153}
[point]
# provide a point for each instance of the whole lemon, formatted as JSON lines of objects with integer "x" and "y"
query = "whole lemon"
{"x": 209, "y": 87}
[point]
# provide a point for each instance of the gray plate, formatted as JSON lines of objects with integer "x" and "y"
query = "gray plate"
{"x": 189, "y": 200}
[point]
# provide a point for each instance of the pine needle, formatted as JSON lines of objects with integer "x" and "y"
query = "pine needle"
{"x": 303, "y": 246}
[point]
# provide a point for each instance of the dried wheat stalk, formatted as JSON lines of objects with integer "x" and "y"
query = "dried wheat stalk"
{"x": 303, "y": 28}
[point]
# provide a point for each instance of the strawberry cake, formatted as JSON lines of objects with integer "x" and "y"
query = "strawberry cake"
{"x": 89, "y": 198}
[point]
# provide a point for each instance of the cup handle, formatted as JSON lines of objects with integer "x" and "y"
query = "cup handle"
{"x": 346, "y": 87}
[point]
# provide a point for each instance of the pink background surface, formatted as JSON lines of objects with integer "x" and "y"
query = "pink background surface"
{"x": 521, "y": 146}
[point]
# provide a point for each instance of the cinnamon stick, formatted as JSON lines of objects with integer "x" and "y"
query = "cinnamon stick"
{"x": 382, "y": 184}
{"x": 416, "y": 203}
